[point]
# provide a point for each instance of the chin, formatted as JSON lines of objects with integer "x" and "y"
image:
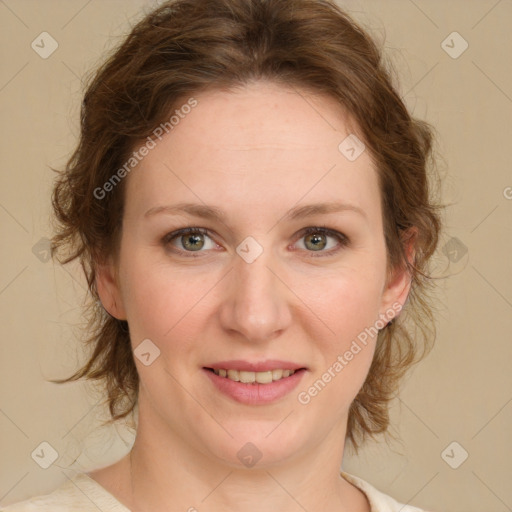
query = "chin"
{"x": 259, "y": 445}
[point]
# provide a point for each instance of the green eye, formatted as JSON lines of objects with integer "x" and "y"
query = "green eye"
{"x": 316, "y": 239}
{"x": 190, "y": 239}
{"x": 193, "y": 242}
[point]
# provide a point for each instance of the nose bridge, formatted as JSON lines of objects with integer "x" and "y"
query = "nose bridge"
{"x": 257, "y": 303}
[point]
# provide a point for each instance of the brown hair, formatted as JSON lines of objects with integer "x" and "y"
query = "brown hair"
{"x": 186, "y": 46}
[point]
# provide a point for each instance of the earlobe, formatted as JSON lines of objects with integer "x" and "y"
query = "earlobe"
{"x": 108, "y": 290}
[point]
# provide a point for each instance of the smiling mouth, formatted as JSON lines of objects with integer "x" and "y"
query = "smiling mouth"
{"x": 246, "y": 377}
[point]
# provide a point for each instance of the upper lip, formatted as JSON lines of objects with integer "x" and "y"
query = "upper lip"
{"x": 263, "y": 366}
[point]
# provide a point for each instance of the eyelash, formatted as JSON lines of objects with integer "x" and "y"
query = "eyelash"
{"x": 343, "y": 240}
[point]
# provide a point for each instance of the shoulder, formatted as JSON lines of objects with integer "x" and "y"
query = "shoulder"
{"x": 379, "y": 501}
{"x": 77, "y": 494}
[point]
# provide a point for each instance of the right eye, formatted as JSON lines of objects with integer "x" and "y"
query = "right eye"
{"x": 188, "y": 240}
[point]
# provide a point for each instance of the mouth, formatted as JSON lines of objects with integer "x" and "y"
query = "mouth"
{"x": 250, "y": 377}
{"x": 255, "y": 383}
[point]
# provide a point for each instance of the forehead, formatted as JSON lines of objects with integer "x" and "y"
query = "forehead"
{"x": 263, "y": 115}
{"x": 263, "y": 144}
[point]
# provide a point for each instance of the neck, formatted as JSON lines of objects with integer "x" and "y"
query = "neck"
{"x": 166, "y": 470}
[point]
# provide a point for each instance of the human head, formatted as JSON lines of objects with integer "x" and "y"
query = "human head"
{"x": 310, "y": 45}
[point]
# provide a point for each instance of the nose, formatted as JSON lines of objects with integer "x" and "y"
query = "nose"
{"x": 256, "y": 305}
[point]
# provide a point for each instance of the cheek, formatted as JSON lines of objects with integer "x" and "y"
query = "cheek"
{"x": 149, "y": 302}
{"x": 161, "y": 302}
{"x": 346, "y": 302}
{"x": 347, "y": 305}
{"x": 346, "y": 355}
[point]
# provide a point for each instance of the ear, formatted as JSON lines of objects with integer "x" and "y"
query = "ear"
{"x": 398, "y": 285}
{"x": 107, "y": 285}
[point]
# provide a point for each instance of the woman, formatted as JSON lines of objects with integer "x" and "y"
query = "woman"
{"x": 250, "y": 204}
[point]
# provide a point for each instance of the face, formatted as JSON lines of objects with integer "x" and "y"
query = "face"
{"x": 270, "y": 283}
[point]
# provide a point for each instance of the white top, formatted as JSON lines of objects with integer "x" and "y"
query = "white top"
{"x": 83, "y": 494}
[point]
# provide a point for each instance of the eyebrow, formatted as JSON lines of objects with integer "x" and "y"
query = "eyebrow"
{"x": 213, "y": 213}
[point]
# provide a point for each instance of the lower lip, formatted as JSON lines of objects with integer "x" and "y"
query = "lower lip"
{"x": 255, "y": 394}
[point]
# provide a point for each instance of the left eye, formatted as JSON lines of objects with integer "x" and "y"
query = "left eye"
{"x": 315, "y": 240}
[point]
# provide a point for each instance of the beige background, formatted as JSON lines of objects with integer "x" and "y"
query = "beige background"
{"x": 462, "y": 392}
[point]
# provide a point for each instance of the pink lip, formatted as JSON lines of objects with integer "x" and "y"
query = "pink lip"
{"x": 255, "y": 394}
{"x": 264, "y": 366}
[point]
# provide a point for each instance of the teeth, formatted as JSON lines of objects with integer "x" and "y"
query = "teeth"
{"x": 253, "y": 377}
{"x": 247, "y": 377}
{"x": 234, "y": 375}
{"x": 277, "y": 374}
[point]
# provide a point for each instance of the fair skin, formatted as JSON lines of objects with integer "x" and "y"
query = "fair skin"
{"x": 254, "y": 154}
